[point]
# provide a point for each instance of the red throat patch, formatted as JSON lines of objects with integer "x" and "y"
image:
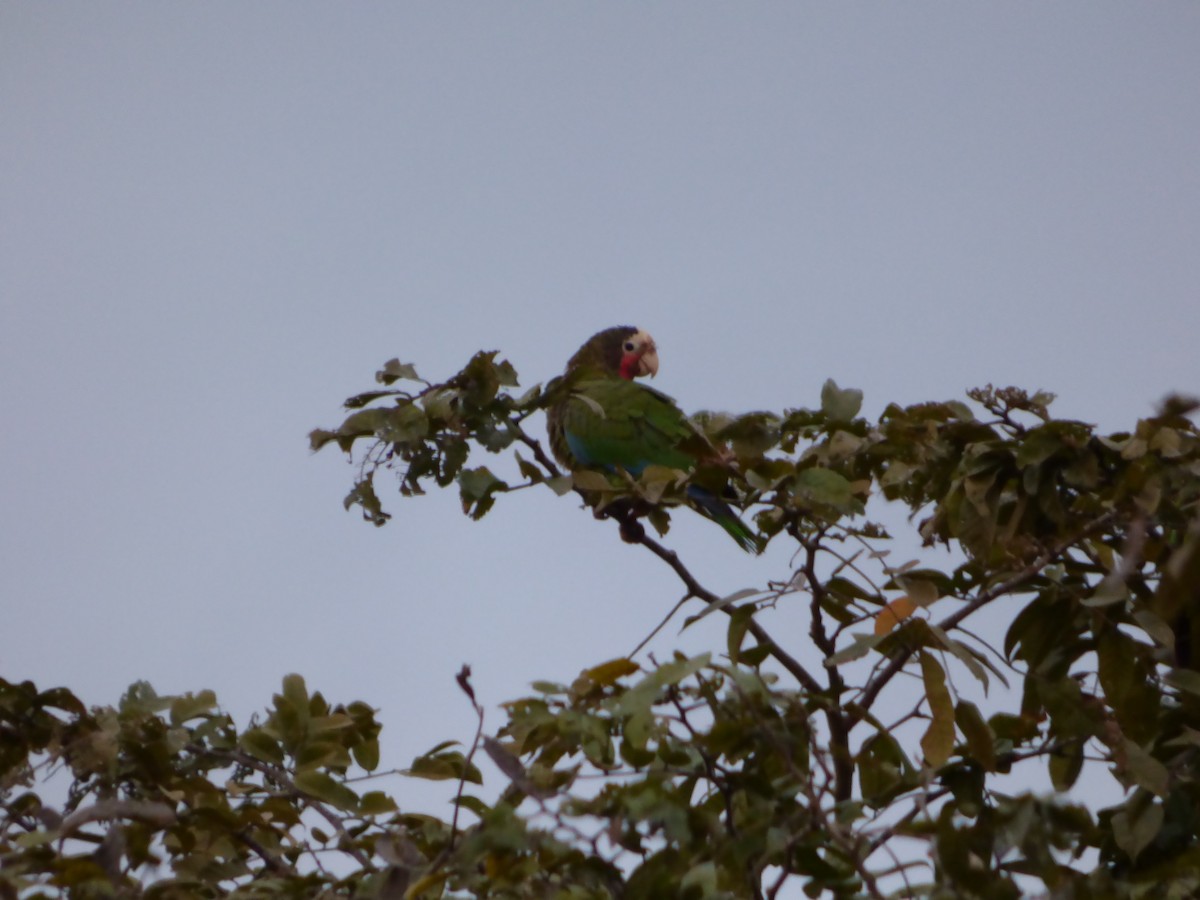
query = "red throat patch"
{"x": 629, "y": 366}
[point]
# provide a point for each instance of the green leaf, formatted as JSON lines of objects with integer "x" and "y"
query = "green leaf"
{"x": 638, "y": 728}
{"x": 981, "y": 743}
{"x": 494, "y": 435}
{"x": 360, "y": 424}
{"x": 439, "y": 404}
{"x": 141, "y": 699}
{"x": 739, "y": 623}
{"x": 262, "y": 745}
{"x": 324, "y": 787}
{"x": 474, "y": 804}
{"x": 322, "y": 754}
{"x": 477, "y": 488}
{"x": 660, "y": 519}
{"x": 1156, "y": 629}
{"x": 405, "y": 424}
{"x": 656, "y": 480}
{"x": 1179, "y": 589}
{"x": 647, "y": 691}
{"x": 863, "y": 644}
{"x": 636, "y": 756}
{"x": 846, "y": 588}
{"x": 1016, "y": 730}
{"x": 840, "y": 405}
{"x": 506, "y": 374}
{"x": 1136, "y": 824}
{"x": 393, "y": 370}
{"x": 1127, "y": 687}
{"x": 291, "y": 715}
{"x": 754, "y": 656}
{"x": 1065, "y": 766}
{"x": 358, "y": 401}
{"x": 587, "y": 480}
{"x": 768, "y": 473}
{"x": 189, "y": 706}
{"x": 826, "y": 488}
{"x": 442, "y": 766}
{"x": 530, "y": 398}
{"x": 531, "y": 471}
{"x": 376, "y": 803}
{"x": 938, "y": 740}
{"x": 701, "y": 878}
{"x": 295, "y": 692}
{"x": 608, "y": 673}
{"x": 561, "y": 484}
{"x": 366, "y": 754}
{"x": 61, "y": 698}
{"x": 974, "y": 661}
{"x": 723, "y": 602}
{"x": 33, "y": 839}
{"x": 882, "y": 767}
{"x": 1146, "y": 771}
{"x": 1109, "y": 593}
{"x": 922, "y": 591}
{"x": 363, "y": 494}
{"x": 319, "y": 437}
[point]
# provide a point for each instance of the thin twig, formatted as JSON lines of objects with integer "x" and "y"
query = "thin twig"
{"x": 697, "y": 590}
{"x": 272, "y": 862}
{"x": 464, "y": 681}
{"x": 918, "y": 807}
{"x": 660, "y": 626}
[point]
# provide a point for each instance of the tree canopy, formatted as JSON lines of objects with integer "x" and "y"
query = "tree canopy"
{"x": 743, "y": 771}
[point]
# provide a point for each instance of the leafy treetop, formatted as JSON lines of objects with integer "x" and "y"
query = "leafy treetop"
{"x": 740, "y": 772}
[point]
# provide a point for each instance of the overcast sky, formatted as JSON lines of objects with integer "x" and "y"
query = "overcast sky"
{"x": 217, "y": 220}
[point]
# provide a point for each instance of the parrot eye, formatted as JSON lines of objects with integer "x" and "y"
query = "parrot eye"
{"x": 630, "y": 346}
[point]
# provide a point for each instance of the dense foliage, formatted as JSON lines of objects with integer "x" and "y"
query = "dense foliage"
{"x": 740, "y": 772}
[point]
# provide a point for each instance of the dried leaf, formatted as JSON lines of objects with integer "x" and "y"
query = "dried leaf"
{"x": 893, "y": 614}
{"x": 938, "y": 740}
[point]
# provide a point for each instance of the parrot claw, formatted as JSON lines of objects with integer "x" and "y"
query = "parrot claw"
{"x": 632, "y": 531}
{"x": 626, "y": 511}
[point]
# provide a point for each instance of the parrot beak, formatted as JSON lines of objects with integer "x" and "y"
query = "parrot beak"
{"x": 648, "y": 364}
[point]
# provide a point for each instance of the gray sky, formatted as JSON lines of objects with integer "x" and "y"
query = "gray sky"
{"x": 217, "y": 220}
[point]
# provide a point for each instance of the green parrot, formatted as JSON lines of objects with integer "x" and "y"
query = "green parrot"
{"x": 603, "y": 419}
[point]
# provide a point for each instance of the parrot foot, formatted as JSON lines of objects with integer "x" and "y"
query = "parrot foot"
{"x": 626, "y": 511}
{"x": 632, "y": 531}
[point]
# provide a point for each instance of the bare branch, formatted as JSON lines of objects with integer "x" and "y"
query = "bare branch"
{"x": 158, "y": 814}
{"x": 660, "y": 626}
{"x": 697, "y": 590}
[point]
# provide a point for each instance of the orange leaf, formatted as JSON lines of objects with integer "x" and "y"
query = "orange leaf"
{"x": 893, "y": 614}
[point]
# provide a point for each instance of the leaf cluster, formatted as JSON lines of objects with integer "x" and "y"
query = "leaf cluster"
{"x": 1094, "y": 542}
{"x": 819, "y": 761}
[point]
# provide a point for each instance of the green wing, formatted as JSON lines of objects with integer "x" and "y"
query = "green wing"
{"x": 609, "y": 422}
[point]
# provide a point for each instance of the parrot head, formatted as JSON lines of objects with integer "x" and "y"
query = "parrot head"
{"x": 624, "y": 351}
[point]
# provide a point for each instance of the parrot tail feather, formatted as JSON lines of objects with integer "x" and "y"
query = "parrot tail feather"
{"x": 721, "y": 513}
